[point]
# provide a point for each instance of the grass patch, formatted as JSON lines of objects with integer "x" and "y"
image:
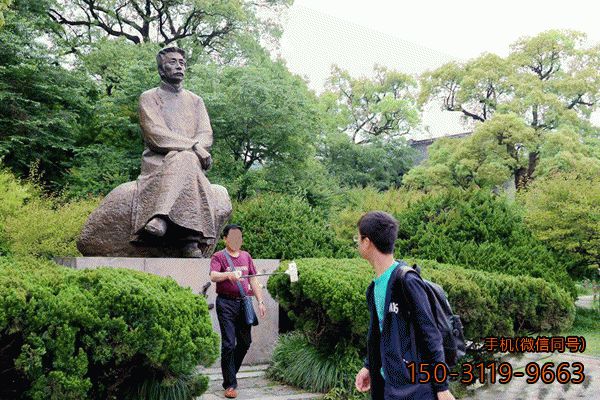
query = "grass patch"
{"x": 587, "y": 324}
{"x": 299, "y": 363}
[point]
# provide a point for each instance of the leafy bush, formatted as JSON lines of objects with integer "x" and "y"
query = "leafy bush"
{"x": 284, "y": 226}
{"x": 328, "y": 303}
{"x": 477, "y": 230}
{"x": 45, "y": 228}
{"x": 99, "y": 334}
{"x": 13, "y": 194}
{"x": 353, "y": 203}
{"x": 34, "y": 224}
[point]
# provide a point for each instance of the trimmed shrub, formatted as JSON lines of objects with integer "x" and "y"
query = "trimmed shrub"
{"x": 99, "y": 334}
{"x": 480, "y": 231}
{"x": 284, "y": 226}
{"x": 328, "y": 303}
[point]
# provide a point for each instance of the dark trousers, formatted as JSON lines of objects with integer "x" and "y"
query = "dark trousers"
{"x": 235, "y": 338}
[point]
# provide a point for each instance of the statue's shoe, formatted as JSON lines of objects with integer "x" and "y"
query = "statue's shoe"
{"x": 191, "y": 250}
{"x": 156, "y": 227}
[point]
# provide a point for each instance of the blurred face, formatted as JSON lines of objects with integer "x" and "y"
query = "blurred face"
{"x": 173, "y": 65}
{"x": 233, "y": 240}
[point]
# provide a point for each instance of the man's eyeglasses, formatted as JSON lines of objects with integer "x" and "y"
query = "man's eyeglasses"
{"x": 357, "y": 238}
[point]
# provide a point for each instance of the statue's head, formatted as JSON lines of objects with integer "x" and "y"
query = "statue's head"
{"x": 171, "y": 64}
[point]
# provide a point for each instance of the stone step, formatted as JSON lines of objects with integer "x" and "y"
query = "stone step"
{"x": 258, "y": 388}
{"x": 302, "y": 396}
{"x": 245, "y": 368}
{"x": 240, "y": 375}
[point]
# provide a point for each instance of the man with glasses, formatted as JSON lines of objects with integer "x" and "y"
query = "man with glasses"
{"x": 389, "y": 344}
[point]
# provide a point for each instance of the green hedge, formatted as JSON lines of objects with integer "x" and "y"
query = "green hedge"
{"x": 328, "y": 303}
{"x": 99, "y": 334}
{"x": 284, "y": 226}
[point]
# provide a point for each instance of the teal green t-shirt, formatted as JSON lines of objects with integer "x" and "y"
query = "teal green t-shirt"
{"x": 381, "y": 284}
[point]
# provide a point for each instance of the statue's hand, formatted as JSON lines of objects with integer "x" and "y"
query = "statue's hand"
{"x": 204, "y": 157}
{"x": 206, "y": 162}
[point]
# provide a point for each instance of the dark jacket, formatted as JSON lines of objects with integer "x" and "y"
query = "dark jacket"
{"x": 409, "y": 334}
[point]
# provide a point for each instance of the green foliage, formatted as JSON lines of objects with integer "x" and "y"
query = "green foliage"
{"x": 328, "y": 302}
{"x": 43, "y": 106}
{"x": 3, "y": 6}
{"x": 549, "y": 81}
{"x": 98, "y": 169}
{"x": 13, "y": 194}
{"x": 477, "y": 230}
{"x": 285, "y": 226}
{"x": 564, "y": 152}
{"x": 298, "y": 363}
{"x": 368, "y": 108}
{"x": 263, "y": 117}
{"x": 184, "y": 387}
{"x": 37, "y": 225}
{"x": 215, "y": 26}
{"x": 351, "y": 204}
{"x": 96, "y": 334}
{"x": 46, "y": 228}
{"x": 361, "y": 123}
{"x": 124, "y": 72}
{"x": 380, "y": 163}
{"x": 488, "y": 158}
{"x": 563, "y": 210}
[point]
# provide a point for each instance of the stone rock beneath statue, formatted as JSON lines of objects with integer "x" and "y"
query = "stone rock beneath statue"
{"x": 107, "y": 232}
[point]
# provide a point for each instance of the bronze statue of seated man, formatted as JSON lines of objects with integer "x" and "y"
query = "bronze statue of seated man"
{"x": 173, "y": 199}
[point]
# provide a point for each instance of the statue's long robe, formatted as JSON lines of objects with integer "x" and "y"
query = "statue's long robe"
{"x": 172, "y": 182}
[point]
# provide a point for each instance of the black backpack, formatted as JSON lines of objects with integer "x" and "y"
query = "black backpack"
{"x": 447, "y": 322}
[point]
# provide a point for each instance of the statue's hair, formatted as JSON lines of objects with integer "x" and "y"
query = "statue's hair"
{"x": 162, "y": 53}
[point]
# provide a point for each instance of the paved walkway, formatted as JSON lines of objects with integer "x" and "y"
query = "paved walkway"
{"x": 252, "y": 385}
{"x": 586, "y": 301}
{"x": 519, "y": 389}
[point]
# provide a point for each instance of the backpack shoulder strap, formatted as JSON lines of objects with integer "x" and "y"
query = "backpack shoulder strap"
{"x": 398, "y": 281}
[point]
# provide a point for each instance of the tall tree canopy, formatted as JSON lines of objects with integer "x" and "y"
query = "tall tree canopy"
{"x": 549, "y": 80}
{"x": 43, "y": 106}
{"x": 210, "y": 24}
{"x": 366, "y": 108}
{"x": 362, "y": 124}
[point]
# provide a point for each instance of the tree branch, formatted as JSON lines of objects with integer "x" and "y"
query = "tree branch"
{"x": 470, "y": 114}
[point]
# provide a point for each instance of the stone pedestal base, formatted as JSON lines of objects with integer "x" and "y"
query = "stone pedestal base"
{"x": 193, "y": 273}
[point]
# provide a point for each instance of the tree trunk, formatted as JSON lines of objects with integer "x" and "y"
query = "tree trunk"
{"x": 524, "y": 175}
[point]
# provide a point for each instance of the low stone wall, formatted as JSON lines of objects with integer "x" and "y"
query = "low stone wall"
{"x": 193, "y": 273}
